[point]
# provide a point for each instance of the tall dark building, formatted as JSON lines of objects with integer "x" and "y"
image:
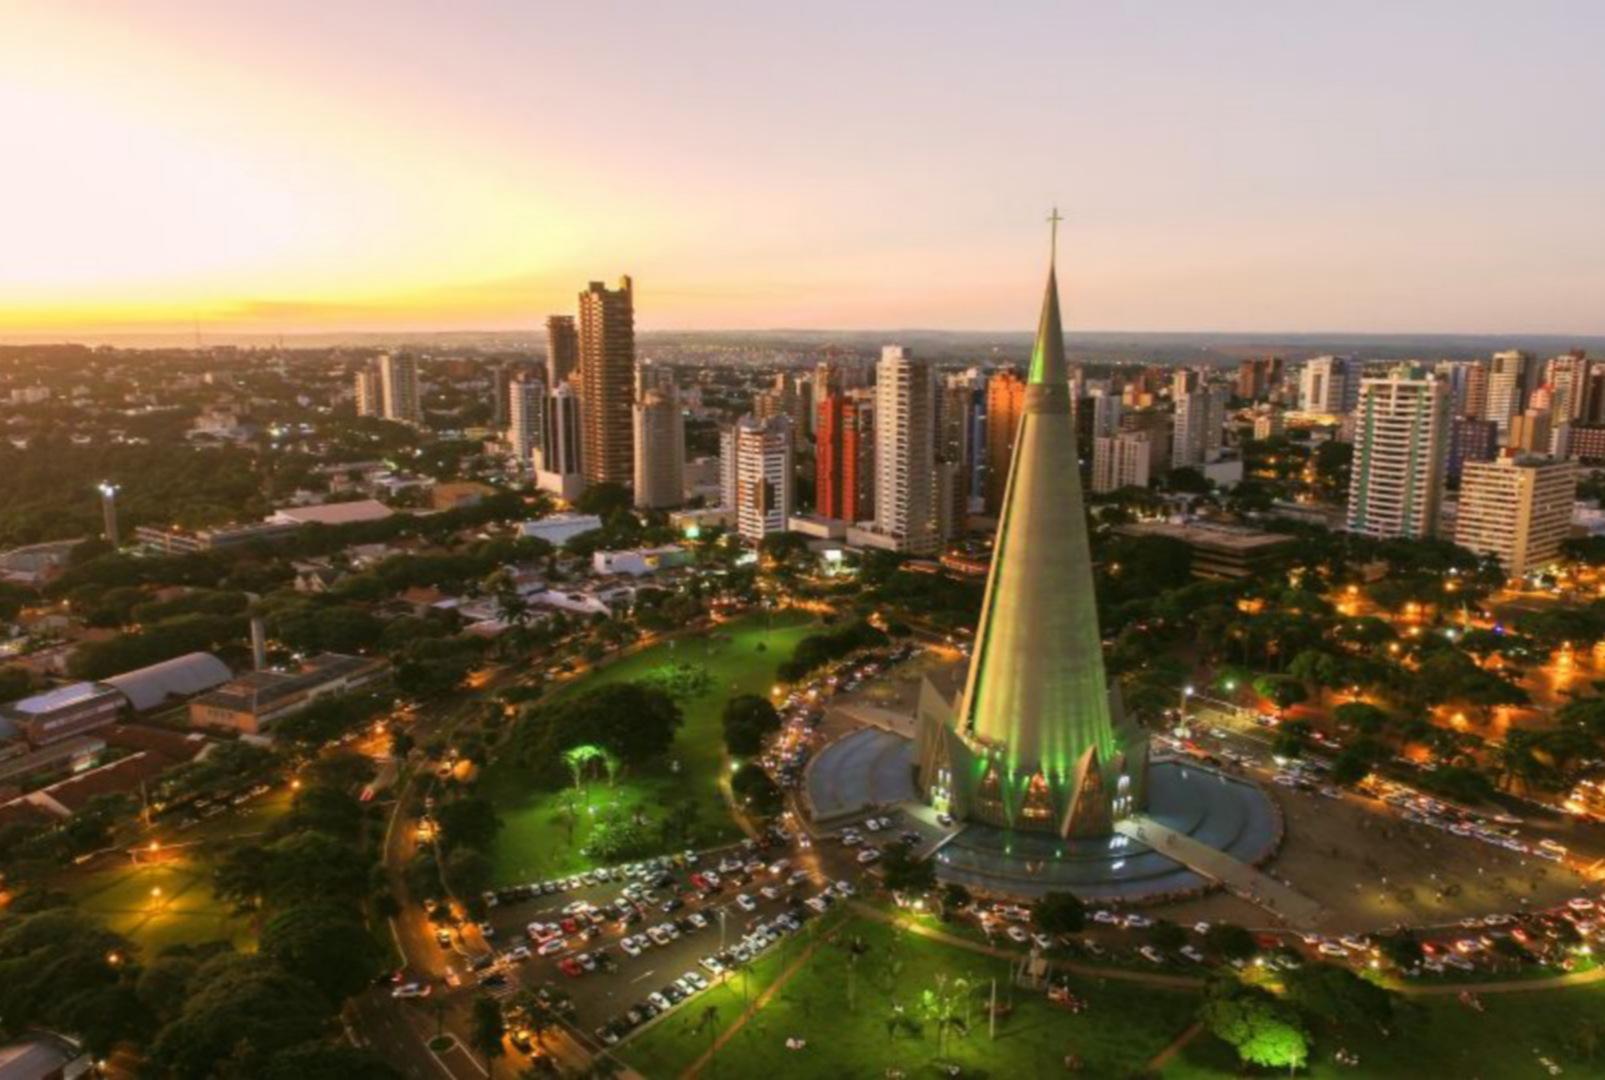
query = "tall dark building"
{"x": 844, "y": 457}
{"x": 607, "y": 382}
{"x": 562, "y": 349}
{"x": 1471, "y": 440}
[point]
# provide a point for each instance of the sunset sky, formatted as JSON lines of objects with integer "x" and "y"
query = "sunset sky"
{"x": 362, "y": 165}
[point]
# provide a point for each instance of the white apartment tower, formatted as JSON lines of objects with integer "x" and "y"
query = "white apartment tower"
{"x": 526, "y": 418}
{"x": 905, "y": 451}
{"x": 1516, "y": 508}
{"x": 758, "y": 461}
{"x": 1507, "y": 389}
{"x": 558, "y": 464}
{"x": 1329, "y": 384}
{"x": 659, "y": 448}
{"x": 1200, "y": 419}
{"x": 370, "y": 399}
{"x": 1125, "y": 460}
{"x": 1401, "y": 437}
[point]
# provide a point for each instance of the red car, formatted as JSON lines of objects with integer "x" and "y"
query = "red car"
{"x": 571, "y": 967}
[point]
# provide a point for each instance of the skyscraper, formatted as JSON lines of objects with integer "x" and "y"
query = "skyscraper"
{"x": 607, "y": 382}
{"x": 370, "y": 397}
{"x": 1123, "y": 460}
{"x": 659, "y": 449}
{"x": 1507, "y": 388}
{"x": 1035, "y": 742}
{"x": 844, "y": 457}
{"x": 1516, "y": 508}
{"x": 1200, "y": 419}
{"x": 558, "y": 463}
{"x": 562, "y": 349}
{"x": 905, "y": 451}
{"x": 1400, "y": 450}
{"x": 526, "y": 415}
{"x": 760, "y": 464}
{"x": 398, "y": 382}
{"x": 957, "y": 403}
{"x": 1005, "y": 399}
{"x": 1329, "y": 384}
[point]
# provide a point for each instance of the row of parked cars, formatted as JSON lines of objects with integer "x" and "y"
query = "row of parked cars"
{"x": 760, "y": 935}
{"x": 632, "y": 872}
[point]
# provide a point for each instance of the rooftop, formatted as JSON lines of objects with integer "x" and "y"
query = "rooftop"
{"x": 1241, "y": 538}
{"x": 61, "y": 697}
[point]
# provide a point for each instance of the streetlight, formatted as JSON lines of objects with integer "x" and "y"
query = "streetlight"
{"x": 108, "y": 509}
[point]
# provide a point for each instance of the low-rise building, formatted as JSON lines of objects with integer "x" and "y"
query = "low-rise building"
{"x": 1219, "y": 550}
{"x": 638, "y": 562}
{"x": 336, "y": 513}
{"x": 252, "y": 703}
{"x": 559, "y": 529}
{"x": 65, "y": 711}
{"x": 177, "y": 541}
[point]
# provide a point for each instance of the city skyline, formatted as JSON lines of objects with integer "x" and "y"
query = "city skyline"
{"x": 292, "y": 171}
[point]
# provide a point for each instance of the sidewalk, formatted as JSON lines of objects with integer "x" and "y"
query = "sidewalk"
{"x": 1253, "y": 885}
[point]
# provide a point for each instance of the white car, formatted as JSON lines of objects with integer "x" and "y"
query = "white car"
{"x": 1017, "y": 935}
{"x": 873, "y": 825}
{"x": 1151, "y": 954}
{"x": 630, "y": 947}
{"x": 1200, "y": 927}
{"x": 868, "y": 855}
{"x": 1191, "y": 952}
{"x": 698, "y": 920}
{"x": 411, "y": 990}
{"x": 712, "y": 966}
{"x": 845, "y": 888}
{"x": 555, "y": 945}
{"x": 746, "y": 903}
{"x": 769, "y": 892}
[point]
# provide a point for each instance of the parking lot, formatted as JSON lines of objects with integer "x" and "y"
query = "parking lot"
{"x": 614, "y": 948}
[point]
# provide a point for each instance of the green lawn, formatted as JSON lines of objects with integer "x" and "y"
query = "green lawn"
{"x": 844, "y": 1009}
{"x": 739, "y": 657}
{"x": 1438, "y": 1036}
{"x": 119, "y": 891}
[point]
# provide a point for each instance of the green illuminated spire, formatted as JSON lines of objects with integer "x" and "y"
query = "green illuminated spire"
{"x": 1037, "y": 700}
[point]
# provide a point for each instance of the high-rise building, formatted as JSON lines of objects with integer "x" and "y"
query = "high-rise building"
{"x": 370, "y": 396}
{"x": 659, "y": 449}
{"x": 905, "y": 451}
{"x": 607, "y": 382}
{"x": 501, "y": 378}
{"x": 1035, "y": 743}
{"x": 1567, "y": 380}
{"x": 1268, "y": 423}
{"x": 1529, "y": 432}
{"x": 526, "y": 416}
{"x": 1470, "y": 440}
{"x": 1005, "y": 399}
{"x": 1123, "y": 460}
{"x": 1257, "y": 376}
{"x": 398, "y": 388}
{"x": 1516, "y": 508}
{"x": 562, "y": 349}
{"x": 957, "y": 402}
{"x": 844, "y": 456}
{"x": 1476, "y": 402}
{"x": 760, "y": 465}
{"x": 1401, "y": 436}
{"x": 1507, "y": 389}
{"x": 1329, "y": 384}
{"x": 1457, "y": 375}
{"x": 1200, "y": 420}
{"x": 557, "y": 467}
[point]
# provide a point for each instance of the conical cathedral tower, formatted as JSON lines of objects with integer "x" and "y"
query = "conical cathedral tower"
{"x": 1037, "y": 741}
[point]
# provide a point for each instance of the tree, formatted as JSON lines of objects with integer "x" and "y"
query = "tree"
{"x": 469, "y": 871}
{"x": 243, "y": 1010}
{"x": 1401, "y": 948}
{"x": 1230, "y": 941}
{"x": 1059, "y": 913}
{"x": 1364, "y": 717}
{"x": 755, "y": 791}
{"x": 1262, "y": 1030}
{"x": 468, "y": 821}
{"x": 300, "y": 868}
{"x": 486, "y": 1030}
{"x": 325, "y": 944}
{"x": 902, "y": 872}
{"x": 1166, "y": 935}
{"x": 636, "y": 722}
{"x": 748, "y": 720}
{"x": 1337, "y": 995}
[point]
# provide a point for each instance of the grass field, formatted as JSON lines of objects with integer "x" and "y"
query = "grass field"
{"x": 1439, "y": 1036}
{"x": 739, "y": 657}
{"x": 846, "y": 1009}
{"x": 119, "y": 892}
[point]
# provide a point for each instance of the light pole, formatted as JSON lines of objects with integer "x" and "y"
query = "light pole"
{"x": 1186, "y": 692}
{"x": 108, "y": 511}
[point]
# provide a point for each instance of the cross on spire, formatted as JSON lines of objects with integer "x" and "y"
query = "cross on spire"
{"x": 1053, "y": 235}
